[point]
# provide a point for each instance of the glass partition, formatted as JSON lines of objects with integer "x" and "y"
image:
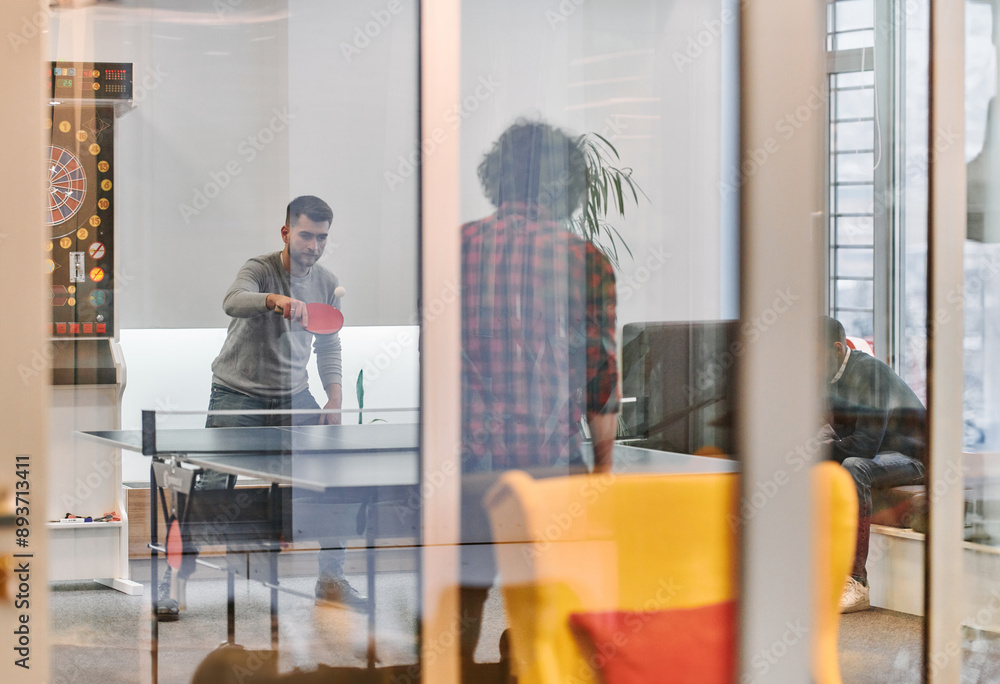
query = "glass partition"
{"x": 599, "y": 186}
{"x": 233, "y": 224}
{"x": 979, "y": 301}
{"x": 878, "y": 57}
{"x": 236, "y": 486}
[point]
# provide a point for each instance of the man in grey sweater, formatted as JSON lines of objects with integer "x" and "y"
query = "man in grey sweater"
{"x": 262, "y": 365}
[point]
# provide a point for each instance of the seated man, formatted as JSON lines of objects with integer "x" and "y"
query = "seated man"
{"x": 878, "y": 436}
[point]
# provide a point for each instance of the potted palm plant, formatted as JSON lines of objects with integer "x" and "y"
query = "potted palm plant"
{"x": 610, "y": 187}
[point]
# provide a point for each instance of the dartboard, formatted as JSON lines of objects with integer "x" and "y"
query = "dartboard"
{"x": 67, "y": 185}
{"x": 81, "y": 219}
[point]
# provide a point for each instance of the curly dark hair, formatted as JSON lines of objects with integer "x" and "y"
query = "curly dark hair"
{"x": 535, "y": 164}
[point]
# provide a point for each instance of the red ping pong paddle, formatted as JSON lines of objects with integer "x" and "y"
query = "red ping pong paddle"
{"x": 323, "y": 318}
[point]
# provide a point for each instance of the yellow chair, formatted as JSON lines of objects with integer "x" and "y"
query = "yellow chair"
{"x": 835, "y": 530}
{"x": 640, "y": 543}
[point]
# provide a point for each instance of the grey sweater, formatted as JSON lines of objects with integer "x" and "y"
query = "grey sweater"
{"x": 264, "y": 354}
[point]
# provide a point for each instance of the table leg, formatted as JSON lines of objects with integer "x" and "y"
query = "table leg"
{"x": 370, "y": 537}
{"x": 154, "y": 570}
{"x": 231, "y": 607}
{"x": 275, "y": 505}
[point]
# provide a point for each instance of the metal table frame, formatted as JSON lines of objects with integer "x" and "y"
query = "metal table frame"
{"x": 167, "y": 473}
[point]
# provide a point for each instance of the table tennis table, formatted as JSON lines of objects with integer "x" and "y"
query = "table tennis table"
{"x": 370, "y": 461}
{"x": 376, "y": 459}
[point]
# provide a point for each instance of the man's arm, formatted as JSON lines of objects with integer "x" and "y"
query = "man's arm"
{"x": 328, "y": 362}
{"x": 866, "y": 409}
{"x": 602, "y": 366}
{"x": 335, "y": 394}
{"x": 248, "y": 296}
{"x": 330, "y": 366}
{"x": 291, "y": 309}
{"x": 603, "y": 428}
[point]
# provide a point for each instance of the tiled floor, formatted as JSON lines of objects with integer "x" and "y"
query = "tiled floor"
{"x": 101, "y": 636}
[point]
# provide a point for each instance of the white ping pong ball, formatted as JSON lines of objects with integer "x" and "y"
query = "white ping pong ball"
{"x": 340, "y": 291}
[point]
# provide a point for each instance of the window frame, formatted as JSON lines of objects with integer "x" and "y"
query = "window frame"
{"x": 888, "y": 236}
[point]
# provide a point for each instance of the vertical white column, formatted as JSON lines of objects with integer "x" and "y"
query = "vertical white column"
{"x": 729, "y": 239}
{"x": 24, "y": 310}
{"x": 947, "y": 226}
{"x": 440, "y": 363}
{"x": 783, "y": 113}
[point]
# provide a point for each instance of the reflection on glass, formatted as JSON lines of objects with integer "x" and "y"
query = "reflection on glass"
{"x": 980, "y": 463}
{"x": 878, "y": 234}
{"x": 555, "y": 312}
{"x": 228, "y": 183}
{"x": 877, "y": 433}
{"x": 538, "y": 339}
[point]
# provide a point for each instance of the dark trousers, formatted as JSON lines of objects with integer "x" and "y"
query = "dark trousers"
{"x": 477, "y": 556}
{"x": 318, "y": 514}
{"x": 886, "y": 470}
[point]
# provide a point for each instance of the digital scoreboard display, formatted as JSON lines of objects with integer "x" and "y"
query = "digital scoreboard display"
{"x": 90, "y": 81}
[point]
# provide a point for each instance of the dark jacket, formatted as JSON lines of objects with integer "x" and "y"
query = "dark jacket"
{"x": 874, "y": 411}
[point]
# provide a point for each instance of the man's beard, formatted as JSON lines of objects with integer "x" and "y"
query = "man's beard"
{"x": 305, "y": 260}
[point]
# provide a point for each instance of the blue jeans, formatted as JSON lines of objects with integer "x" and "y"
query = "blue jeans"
{"x": 332, "y": 553}
{"x": 886, "y": 470}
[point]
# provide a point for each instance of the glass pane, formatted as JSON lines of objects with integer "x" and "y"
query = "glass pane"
{"x": 234, "y": 222}
{"x": 646, "y": 386}
{"x": 853, "y": 14}
{"x": 855, "y": 263}
{"x": 854, "y": 79}
{"x": 853, "y": 230}
{"x": 855, "y": 199}
{"x": 982, "y": 343}
{"x": 855, "y": 294}
{"x": 913, "y": 318}
{"x": 857, "y": 323}
{"x": 854, "y": 167}
{"x": 853, "y": 40}
{"x": 893, "y": 509}
{"x": 853, "y": 105}
{"x": 853, "y": 136}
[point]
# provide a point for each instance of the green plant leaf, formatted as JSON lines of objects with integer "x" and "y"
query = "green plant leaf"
{"x": 605, "y": 193}
{"x": 359, "y": 389}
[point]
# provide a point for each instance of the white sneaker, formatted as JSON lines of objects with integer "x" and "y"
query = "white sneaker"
{"x": 855, "y": 597}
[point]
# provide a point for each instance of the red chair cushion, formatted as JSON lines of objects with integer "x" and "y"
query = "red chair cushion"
{"x": 684, "y": 646}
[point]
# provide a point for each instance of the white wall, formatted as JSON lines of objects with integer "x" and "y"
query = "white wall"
{"x": 621, "y": 69}
{"x": 356, "y": 112}
{"x": 170, "y": 370}
{"x": 233, "y": 118}
{"x": 338, "y": 81}
{"x": 203, "y": 84}
{"x": 343, "y": 76}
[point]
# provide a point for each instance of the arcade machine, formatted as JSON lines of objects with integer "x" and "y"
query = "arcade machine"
{"x": 87, "y": 519}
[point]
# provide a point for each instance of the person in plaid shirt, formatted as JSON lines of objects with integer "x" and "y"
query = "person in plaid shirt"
{"x": 538, "y": 337}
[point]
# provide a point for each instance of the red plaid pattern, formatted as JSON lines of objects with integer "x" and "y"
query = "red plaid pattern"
{"x": 538, "y": 339}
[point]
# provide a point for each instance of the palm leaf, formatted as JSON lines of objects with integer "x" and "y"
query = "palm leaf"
{"x": 359, "y": 389}
{"x": 606, "y": 185}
